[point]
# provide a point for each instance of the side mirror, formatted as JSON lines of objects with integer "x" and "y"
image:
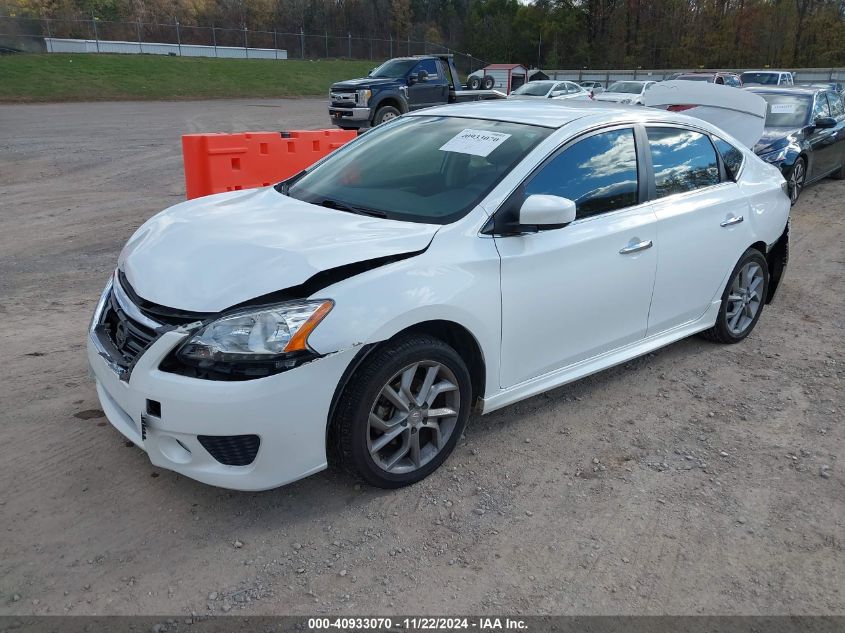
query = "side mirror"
{"x": 542, "y": 210}
{"x": 413, "y": 78}
{"x": 825, "y": 122}
{"x": 422, "y": 76}
{"x": 556, "y": 93}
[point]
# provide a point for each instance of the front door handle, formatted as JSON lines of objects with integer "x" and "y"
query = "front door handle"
{"x": 731, "y": 221}
{"x": 636, "y": 247}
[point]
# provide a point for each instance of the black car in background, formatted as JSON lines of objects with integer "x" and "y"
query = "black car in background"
{"x": 804, "y": 135}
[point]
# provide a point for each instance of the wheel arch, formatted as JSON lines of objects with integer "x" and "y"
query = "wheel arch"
{"x": 390, "y": 100}
{"x": 450, "y": 332}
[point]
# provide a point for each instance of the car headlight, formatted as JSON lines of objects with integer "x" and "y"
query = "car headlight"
{"x": 271, "y": 333}
{"x": 775, "y": 156}
{"x": 362, "y": 96}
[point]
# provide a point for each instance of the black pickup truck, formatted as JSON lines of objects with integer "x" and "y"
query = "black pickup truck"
{"x": 397, "y": 86}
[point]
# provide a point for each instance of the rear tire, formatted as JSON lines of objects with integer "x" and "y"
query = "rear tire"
{"x": 489, "y": 82}
{"x": 402, "y": 412}
{"x": 743, "y": 299}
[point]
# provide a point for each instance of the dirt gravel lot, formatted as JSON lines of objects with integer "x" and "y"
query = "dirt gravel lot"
{"x": 699, "y": 479}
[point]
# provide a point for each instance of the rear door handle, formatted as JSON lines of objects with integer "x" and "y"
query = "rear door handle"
{"x": 636, "y": 247}
{"x": 731, "y": 221}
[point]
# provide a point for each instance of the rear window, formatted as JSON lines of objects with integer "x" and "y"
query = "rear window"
{"x": 695, "y": 78}
{"x": 764, "y": 79}
{"x": 786, "y": 110}
{"x": 683, "y": 160}
{"x": 731, "y": 157}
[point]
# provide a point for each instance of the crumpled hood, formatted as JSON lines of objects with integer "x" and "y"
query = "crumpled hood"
{"x": 364, "y": 82}
{"x": 776, "y": 137}
{"x": 211, "y": 253}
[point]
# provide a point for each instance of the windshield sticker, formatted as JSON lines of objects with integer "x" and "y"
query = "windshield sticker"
{"x": 475, "y": 142}
{"x": 783, "y": 108}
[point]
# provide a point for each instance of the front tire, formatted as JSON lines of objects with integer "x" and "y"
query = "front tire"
{"x": 743, "y": 299}
{"x": 474, "y": 83}
{"x": 385, "y": 114}
{"x": 796, "y": 180}
{"x": 402, "y": 412}
{"x": 489, "y": 82}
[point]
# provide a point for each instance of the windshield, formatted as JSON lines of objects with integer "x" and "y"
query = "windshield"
{"x": 786, "y": 110}
{"x": 394, "y": 68}
{"x": 764, "y": 79}
{"x": 695, "y": 77}
{"x": 430, "y": 169}
{"x": 628, "y": 87}
{"x": 535, "y": 88}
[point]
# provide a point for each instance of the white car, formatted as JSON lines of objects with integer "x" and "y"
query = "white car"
{"x": 625, "y": 92}
{"x": 460, "y": 257}
{"x": 550, "y": 90}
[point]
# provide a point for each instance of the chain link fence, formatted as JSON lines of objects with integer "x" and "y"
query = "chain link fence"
{"x": 36, "y": 35}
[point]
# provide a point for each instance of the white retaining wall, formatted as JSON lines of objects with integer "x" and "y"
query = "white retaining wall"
{"x": 58, "y": 45}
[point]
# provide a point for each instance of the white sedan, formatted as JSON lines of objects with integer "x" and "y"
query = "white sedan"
{"x": 461, "y": 257}
{"x": 626, "y": 92}
{"x": 550, "y": 90}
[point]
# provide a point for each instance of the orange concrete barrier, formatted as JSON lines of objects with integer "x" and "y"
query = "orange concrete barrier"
{"x": 215, "y": 163}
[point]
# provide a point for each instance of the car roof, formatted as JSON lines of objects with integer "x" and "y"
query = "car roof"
{"x": 765, "y": 70}
{"x": 553, "y": 113}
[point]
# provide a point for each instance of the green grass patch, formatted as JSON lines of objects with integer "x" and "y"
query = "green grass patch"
{"x": 96, "y": 77}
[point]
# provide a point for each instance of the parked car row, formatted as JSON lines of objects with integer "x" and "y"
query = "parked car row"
{"x": 804, "y": 133}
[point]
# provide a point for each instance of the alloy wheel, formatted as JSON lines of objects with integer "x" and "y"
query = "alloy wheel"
{"x": 413, "y": 417}
{"x": 745, "y": 298}
{"x": 796, "y": 180}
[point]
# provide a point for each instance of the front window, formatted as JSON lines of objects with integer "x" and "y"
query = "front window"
{"x": 627, "y": 87}
{"x": 394, "y": 68}
{"x": 785, "y": 110}
{"x": 534, "y": 88}
{"x": 598, "y": 174}
{"x": 763, "y": 79}
{"x": 429, "y": 66}
{"x": 430, "y": 169}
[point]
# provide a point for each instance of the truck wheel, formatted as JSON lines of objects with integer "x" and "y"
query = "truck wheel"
{"x": 489, "y": 82}
{"x": 474, "y": 83}
{"x": 384, "y": 114}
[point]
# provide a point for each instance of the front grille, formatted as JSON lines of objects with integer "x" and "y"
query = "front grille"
{"x": 343, "y": 99}
{"x": 129, "y": 338}
{"x": 231, "y": 450}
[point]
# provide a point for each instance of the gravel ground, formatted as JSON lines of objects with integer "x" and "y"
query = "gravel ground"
{"x": 698, "y": 479}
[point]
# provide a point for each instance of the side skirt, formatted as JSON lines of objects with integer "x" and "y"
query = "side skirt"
{"x": 583, "y": 368}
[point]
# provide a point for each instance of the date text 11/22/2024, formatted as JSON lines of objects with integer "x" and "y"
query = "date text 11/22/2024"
{"x": 418, "y": 624}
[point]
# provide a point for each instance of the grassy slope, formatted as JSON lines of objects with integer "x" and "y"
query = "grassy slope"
{"x": 91, "y": 77}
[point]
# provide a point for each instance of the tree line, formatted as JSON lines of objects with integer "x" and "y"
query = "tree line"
{"x": 543, "y": 33}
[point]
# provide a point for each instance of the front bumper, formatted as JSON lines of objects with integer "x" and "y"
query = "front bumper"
{"x": 288, "y": 411}
{"x": 350, "y": 117}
